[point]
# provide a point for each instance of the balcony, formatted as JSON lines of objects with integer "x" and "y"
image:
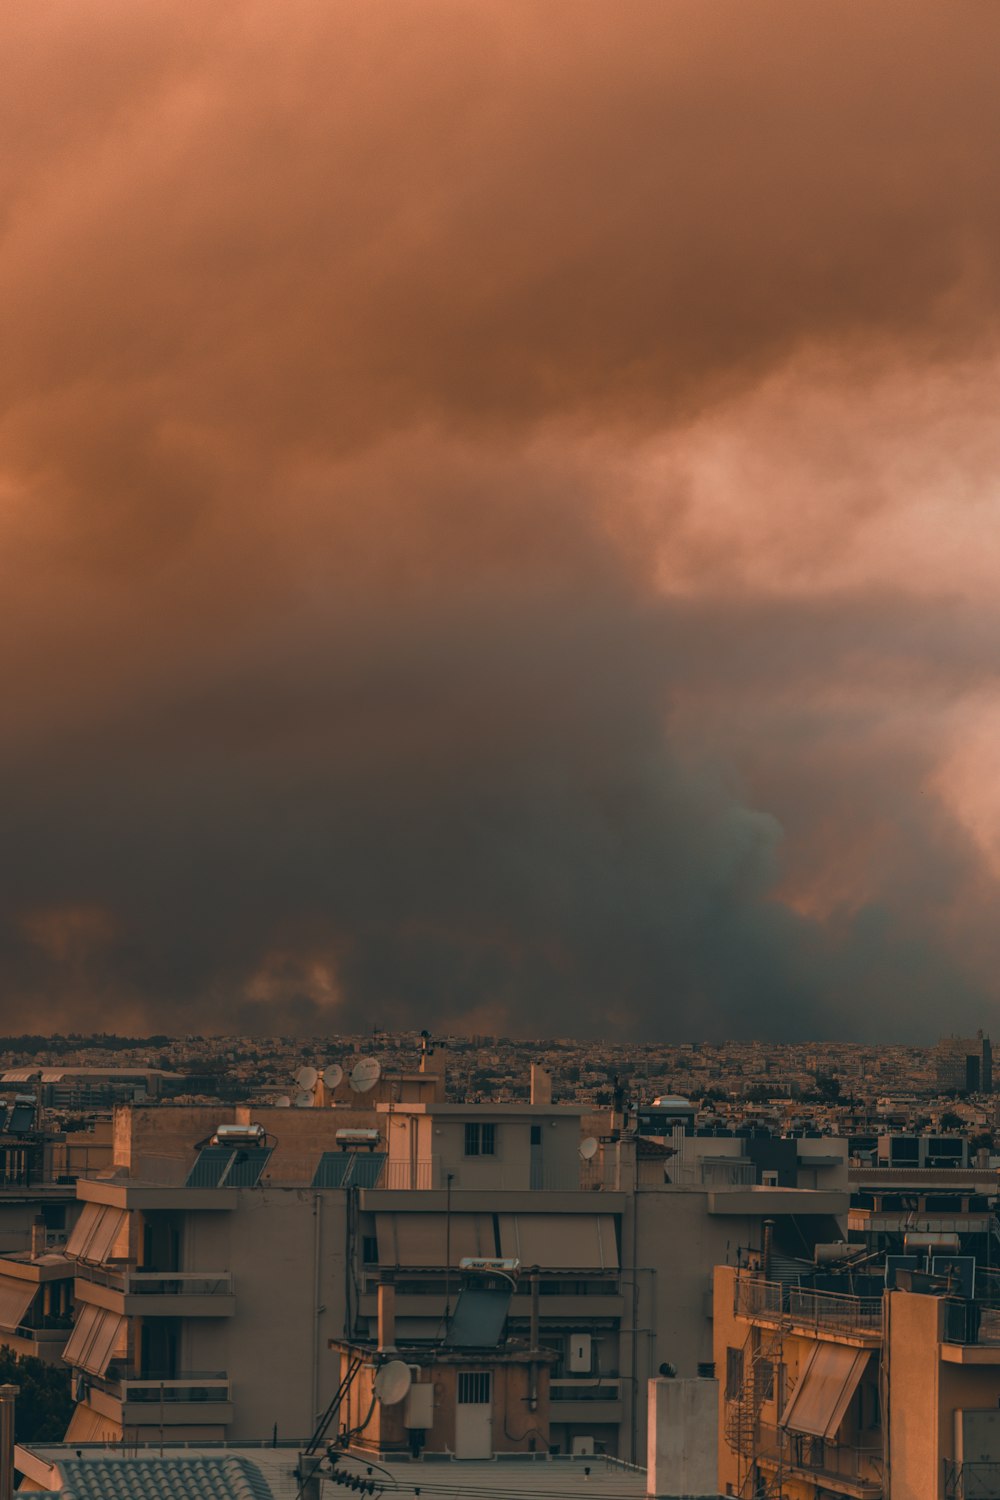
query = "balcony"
{"x": 838, "y": 1467}
{"x": 185, "y": 1398}
{"x": 824, "y": 1314}
{"x": 978, "y": 1481}
{"x": 171, "y": 1294}
{"x": 490, "y": 1173}
{"x": 970, "y": 1334}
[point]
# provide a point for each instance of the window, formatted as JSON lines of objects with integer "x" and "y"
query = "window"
{"x": 765, "y": 1380}
{"x": 369, "y": 1249}
{"x": 480, "y": 1139}
{"x": 473, "y": 1387}
{"x": 536, "y": 1135}
{"x": 734, "y": 1373}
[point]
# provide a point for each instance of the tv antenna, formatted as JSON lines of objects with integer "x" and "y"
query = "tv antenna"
{"x": 365, "y": 1075}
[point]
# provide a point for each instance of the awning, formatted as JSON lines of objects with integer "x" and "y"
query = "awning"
{"x": 561, "y": 1242}
{"x": 83, "y": 1229}
{"x": 15, "y": 1298}
{"x": 94, "y": 1339}
{"x": 88, "y": 1426}
{"x": 426, "y": 1240}
{"x": 823, "y": 1394}
{"x": 96, "y": 1232}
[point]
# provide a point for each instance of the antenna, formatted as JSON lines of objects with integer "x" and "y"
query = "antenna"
{"x": 588, "y": 1148}
{"x": 365, "y": 1075}
{"x": 282, "y": 1102}
{"x": 392, "y": 1383}
{"x": 303, "y": 1100}
{"x": 333, "y": 1075}
{"x": 306, "y": 1078}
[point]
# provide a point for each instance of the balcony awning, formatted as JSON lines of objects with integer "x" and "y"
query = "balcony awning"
{"x": 96, "y": 1232}
{"x": 94, "y": 1338}
{"x": 16, "y": 1297}
{"x": 561, "y": 1242}
{"x": 425, "y": 1239}
{"x": 823, "y": 1394}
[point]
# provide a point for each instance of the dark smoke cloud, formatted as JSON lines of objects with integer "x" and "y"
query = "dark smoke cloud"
{"x": 493, "y": 503}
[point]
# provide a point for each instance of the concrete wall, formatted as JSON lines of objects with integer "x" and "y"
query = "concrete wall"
{"x": 914, "y": 1467}
{"x": 681, "y": 1446}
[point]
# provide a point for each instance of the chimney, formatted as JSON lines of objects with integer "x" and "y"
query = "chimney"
{"x": 8, "y": 1394}
{"x": 541, "y": 1085}
{"x": 39, "y": 1237}
{"x": 767, "y": 1242}
{"x": 386, "y": 1317}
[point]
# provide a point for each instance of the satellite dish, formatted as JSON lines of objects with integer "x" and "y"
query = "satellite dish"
{"x": 393, "y": 1382}
{"x": 333, "y": 1075}
{"x": 304, "y": 1100}
{"x": 282, "y": 1102}
{"x": 306, "y": 1078}
{"x": 365, "y": 1074}
{"x": 588, "y": 1148}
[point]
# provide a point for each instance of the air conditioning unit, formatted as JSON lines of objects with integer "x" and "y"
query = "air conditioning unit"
{"x": 580, "y": 1353}
{"x": 582, "y": 1447}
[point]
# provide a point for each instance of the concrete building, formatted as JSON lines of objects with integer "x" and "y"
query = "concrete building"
{"x": 205, "y": 1248}
{"x": 880, "y": 1393}
{"x": 964, "y": 1065}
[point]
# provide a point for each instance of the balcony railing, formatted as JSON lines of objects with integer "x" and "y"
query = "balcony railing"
{"x": 183, "y": 1386}
{"x": 713, "y": 1173}
{"x": 585, "y": 1390}
{"x": 422, "y": 1176}
{"x": 411, "y": 1176}
{"x": 971, "y": 1323}
{"x": 826, "y": 1312}
{"x": 159, "y": 1283}
{"x": 861, "y": 1466}
{"x": 977, "y": 1481}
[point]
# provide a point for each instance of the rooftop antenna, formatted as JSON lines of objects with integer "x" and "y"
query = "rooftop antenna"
{"x": 303, "y": 1099}
{"x": 333, "y": 1076}
{"x": 283, "y": 1101}
{"x": 392, "y": 1383}
{"x": 588, "y": 1148}
{"x": 365, "y": 1075}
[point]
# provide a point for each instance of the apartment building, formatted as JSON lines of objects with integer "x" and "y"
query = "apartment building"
{"x": 880, "y": 1392}
{"x": 208, "y": 1246}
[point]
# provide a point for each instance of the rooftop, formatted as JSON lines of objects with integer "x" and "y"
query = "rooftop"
{"x": 267, "y": 1473}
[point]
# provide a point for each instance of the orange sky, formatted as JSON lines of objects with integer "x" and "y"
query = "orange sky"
{"x": 498, "y": 516}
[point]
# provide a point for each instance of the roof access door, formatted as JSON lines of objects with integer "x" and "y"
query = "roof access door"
{"x": 474, "y": 1414}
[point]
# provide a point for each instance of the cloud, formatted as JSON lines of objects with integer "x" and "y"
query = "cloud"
{"x": 495, "y": 516}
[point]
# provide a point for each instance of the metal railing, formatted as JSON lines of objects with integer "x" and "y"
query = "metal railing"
{"x": 712, "y": 1173}
{"x": 814, "y": 1456}
{"x": 828, "y": 1312}
{"x": 585, "y": 1390}
{"x": 975, "y": 1481}
{"x": 971, "y": 1323}
{"x": 411, "y": 1176}
{"x": 159, "y": 1283}
{"x": 127, "y": 1384}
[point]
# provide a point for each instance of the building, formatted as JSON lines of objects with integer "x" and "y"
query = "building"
{"x": 872, "y": 1383}
{"x": 964, "y": 1065}
{"x": 224, "y": 1233}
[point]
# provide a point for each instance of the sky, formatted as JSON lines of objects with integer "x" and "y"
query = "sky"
{"x": 499, "y": 518}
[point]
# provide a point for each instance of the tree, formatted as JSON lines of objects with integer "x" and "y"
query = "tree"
{"x": 44, "y": 1398}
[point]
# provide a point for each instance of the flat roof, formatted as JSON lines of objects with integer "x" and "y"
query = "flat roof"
{"x": 479, "y": 1111}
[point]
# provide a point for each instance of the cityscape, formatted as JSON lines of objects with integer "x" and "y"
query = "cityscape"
{"x": 499, "y": 798}
{"x": 651, "y": 1270}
